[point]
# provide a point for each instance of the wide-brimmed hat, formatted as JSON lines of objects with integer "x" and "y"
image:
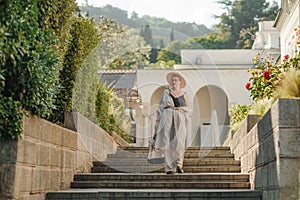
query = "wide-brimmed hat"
{"x": 182, "y": 79}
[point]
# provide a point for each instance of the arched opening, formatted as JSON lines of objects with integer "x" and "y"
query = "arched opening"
{"x": 153, "y": 105}
{"x": 210, "y": 117}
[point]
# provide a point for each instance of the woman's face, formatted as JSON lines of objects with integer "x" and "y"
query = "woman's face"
{"x": 176, "y": 82}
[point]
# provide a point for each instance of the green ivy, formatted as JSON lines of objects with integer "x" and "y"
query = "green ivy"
{"x": 29, "y": 65}
{"x": 11, "y": 118}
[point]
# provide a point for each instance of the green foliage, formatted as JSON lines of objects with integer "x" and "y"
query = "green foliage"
{"x": 84, "y": 40}
{"x": 28, "y": 65}
{"x": 42, "y": 78}
{"x": 11, "y": 118}
{"x": 111, "y": 40}
{"x": 166, "y": 56}
{"x": 161, "y": 65}
{"x": 238, "y": 113}
{"x": 119, "y": 49}
{"x": 57, "y": 16}
{"x": 131, "y": 60}
{"x": 110, "y": 112}
{"x": 266, "y": 77}
{"x": 268, "y": 83}
{"x": 2, "y": 80}
{"x": 170, "y": 55}
{"x": 85, "y": 88}
{"x": 243, "y": 15}
{"x": 146, "y": 33}
{"x": 208, "y": 41}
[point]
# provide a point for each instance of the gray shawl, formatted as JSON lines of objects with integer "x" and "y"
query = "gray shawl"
{"x": 172, "y": 125}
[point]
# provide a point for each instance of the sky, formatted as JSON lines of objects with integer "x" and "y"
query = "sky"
{"x": 198, "y": 11}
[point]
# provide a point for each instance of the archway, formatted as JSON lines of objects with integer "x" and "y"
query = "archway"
{"x": 210, "y": 116}
{"x": 155, "y": 98}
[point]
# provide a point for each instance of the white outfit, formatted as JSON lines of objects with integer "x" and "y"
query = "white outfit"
{"x": 171, "y": 131}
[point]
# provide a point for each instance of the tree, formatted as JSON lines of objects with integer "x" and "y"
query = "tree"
{"x": 147, "y": 35}
{"x": 172, "y": 35}
{"x": 84, "y": 40}
{"x": 134, "y": 15}
{"x": 111, "y": 40}
{"x": 119, "y": 48}
{"x": 243, "y": 16}
{"x": 169, "y": 56}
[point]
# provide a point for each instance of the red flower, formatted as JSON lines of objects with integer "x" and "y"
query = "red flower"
{"x": 248, "y": 86}
{"x": 286, "y": 57}
{"x": 267, "y": 74}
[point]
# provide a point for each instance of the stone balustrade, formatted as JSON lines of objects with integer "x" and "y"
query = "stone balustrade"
{"x": 269, "y": 150}
{"x": 47, "y": 156}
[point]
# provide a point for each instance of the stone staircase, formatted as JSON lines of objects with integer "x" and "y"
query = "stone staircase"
{"x": 210, "y": 173}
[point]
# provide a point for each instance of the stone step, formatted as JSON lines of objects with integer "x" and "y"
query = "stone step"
{"x": 161, "y": 184}
{"x": 219, "y": 148}
{"x": 194, "y": 151}
{"x": 157, "y": 177}
{"x": 210, "y": 174}
{"x": 187, "y": 162}
{"x": 144, "y": 159}
{"x": 160, "y": 168}
{"x": 150, "y": 194}
{"x": 186, "y": 155}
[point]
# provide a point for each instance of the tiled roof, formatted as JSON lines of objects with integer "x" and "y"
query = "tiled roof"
{"x": 119, "y": 79}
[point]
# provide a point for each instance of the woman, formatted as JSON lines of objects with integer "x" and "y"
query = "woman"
{"x": 171, "y": 123}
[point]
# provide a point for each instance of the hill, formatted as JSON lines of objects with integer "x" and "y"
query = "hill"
{"x": 160, "y": 26}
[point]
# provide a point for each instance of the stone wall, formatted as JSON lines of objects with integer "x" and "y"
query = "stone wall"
{"x": 270, "y": 150}
{"x": 47, "y": 157}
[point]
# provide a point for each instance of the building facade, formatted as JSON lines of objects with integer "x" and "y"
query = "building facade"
{"x": 215, "y": 81}
{"x": 287, "y": 23}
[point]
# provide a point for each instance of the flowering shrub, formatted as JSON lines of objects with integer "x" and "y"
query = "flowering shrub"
{"x": 266, "y": 77}
{"x": 267, "y": 83}
{"x": 238, "y": 113}
{"x": 248, "y": 85}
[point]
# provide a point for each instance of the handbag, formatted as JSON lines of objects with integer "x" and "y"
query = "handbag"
{"x": 155, "y": 156}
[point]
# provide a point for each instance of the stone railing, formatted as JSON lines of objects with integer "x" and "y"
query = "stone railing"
{"x": 269, "y": 150}
{"x": 47, "y": 156}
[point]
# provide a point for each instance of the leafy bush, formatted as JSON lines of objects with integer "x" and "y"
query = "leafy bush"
{"x": 28, "y": 65}
{"x": 267, "y": 83}
{"x": 85, "y": 88}
{"x": 57, "y": 16}
{"x": 266, "y": 77}
{"x": 238, "y": 113}
{"x": 84, "y": 40}
{"x": 11, "y": 116}
{"x": 110, "y": 113}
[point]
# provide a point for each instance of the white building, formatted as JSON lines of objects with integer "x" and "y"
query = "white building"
{"x": 216, "y": 80}
{"x": 286, "y": 23}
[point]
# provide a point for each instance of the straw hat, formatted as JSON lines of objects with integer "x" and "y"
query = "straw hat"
{"x": 182, "y": 79}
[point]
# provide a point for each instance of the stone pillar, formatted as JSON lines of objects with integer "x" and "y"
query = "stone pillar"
{"x": 146, "y": 134}
{"x": 189, "y": 137}
{"x": 146, "y": 125}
